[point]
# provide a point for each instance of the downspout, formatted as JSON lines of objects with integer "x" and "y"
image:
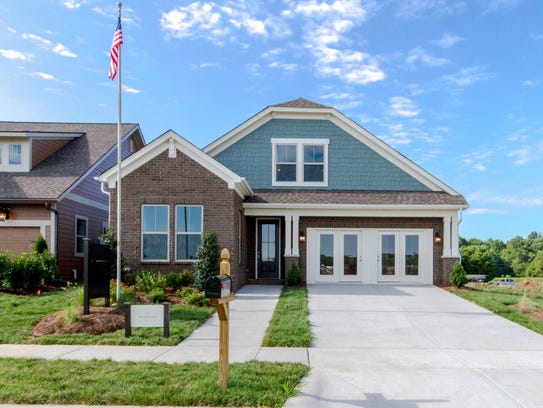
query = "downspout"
{"x": 54, "y": 211}
{"x": 459, "y": 222}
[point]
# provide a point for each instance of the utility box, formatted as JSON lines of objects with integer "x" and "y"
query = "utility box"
{"x": 218, "y": 287}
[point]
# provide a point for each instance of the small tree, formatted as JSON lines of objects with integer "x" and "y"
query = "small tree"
{"x": 209, "y": 259}
{"x": 294, "y": 276}
{"x": 41, "y": 245}
{"x": 458, "y": 275}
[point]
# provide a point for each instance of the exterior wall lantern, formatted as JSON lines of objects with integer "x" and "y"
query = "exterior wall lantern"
{"x": 4, "y": 212}
{"x": 301, "y": 238}
{"x": 437, "y": 238}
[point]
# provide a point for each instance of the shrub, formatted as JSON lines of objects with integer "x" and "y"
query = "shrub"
{"x": 156, "y": 295}
{"x": 128, "y": 293}
{"x": 178, "y": 280}
{"x": 148, "y": 280}
{"x": 209, "y": 254}
{"x": 6, "y": 262}
{"x": 193, "y": 296}
{"x": 458, "y": 275}
{"x": 41, "y": 245}
{"x": 294, "y": 276}
{"x": 29, "y": 271}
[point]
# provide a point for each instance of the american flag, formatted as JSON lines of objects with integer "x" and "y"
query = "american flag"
{"x": 115, "y": 49}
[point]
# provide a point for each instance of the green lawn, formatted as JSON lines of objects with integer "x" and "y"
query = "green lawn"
{"x": 289, "y": 326}
{"x": 502, "y": 301}
{"x": 32, "y": 381}
{"x": 18, "y": 314}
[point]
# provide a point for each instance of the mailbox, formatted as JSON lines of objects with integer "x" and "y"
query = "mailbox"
{"x": 218, "y": 287}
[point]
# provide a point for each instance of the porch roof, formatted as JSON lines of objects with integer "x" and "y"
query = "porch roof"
{"x": 363, "y": 198}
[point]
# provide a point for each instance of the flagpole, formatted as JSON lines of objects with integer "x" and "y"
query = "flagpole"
{"x": 119, "y": 159}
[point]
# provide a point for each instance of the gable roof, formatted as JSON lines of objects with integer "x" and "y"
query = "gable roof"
{"x": 56, "y": 174}
{"x": 301, "y": 103}
{"x": 171, "y": 141}
{"x": 303, "y": 109}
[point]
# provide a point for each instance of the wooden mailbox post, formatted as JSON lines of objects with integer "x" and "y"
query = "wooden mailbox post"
{"x": 223, "y": 311}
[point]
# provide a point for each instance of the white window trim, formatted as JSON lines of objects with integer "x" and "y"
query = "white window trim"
{"x": 300, "y": 143}
{"x": 167, "y": 233}
{"x": 86, "y": 219}
{"x": 20, "y": 154}
{"x": 201, "y": 233}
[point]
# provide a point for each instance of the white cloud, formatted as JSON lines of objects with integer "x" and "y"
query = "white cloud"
{"x": 403, "y": 107}
{"x": 45, "y": 76}
{"x": 12, "y": 30}
{"x": 209, "y": 65}
{"x": 469, "y": 76}
{"x": 127, "y": 89}
{"x": 284, "y": 67}
{"x": 479, "y": 211}
{"x": 47, "y": 44}
{"x": 447, "y": 40}
{"x": 478, "y": 160}
{"x": 14, "y": 54}
{"x": 529, "y": 82}
{"x": 537, "y": 37}
{"x": 74, "y": 4}
{"x": 214, "y": 21}
{"x": 420, "y": 55}
{"x": 62, "y": 50}
{"x": 324, "y": 33}
{"x": 42, "y": 42}
{"x": 495, "y": 6}
{"x": 415, "y": 9}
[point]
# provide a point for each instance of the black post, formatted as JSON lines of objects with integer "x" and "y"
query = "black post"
{"x": 166, "y": 319}
{"x": 86, "y": 300}
{"x": 127, "y": 320}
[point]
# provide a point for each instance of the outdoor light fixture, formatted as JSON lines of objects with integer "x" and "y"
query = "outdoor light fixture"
{"x": 4, "y": 212}
{"x": 437, "y": 238}
{"x": 301, "y": 238}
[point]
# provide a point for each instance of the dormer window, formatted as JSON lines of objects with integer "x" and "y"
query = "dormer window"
{"x": 15, "y": 154}
{"x": 300, "y": 162}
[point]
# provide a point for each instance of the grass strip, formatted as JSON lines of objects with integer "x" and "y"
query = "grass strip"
{"x": 18, "y": 315}
{"x": 289, "y": 326}
{"x": 502, "y": 304}
{"x": 103, "y": 382}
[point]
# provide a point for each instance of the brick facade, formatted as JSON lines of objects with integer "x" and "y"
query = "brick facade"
{"x": 180, "y": 181}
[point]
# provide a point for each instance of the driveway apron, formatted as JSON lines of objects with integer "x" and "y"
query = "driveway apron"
{"x": 416, "y": 346}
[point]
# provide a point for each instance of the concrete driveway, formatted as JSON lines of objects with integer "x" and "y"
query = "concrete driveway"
{"x": 413, "y": 347}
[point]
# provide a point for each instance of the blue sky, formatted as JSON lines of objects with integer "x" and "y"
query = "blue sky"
{"x": 456, "y": 86}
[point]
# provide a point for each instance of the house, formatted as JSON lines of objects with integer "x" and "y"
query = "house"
{"x": 297, "y": 183}
{"x": 48, "y": 185}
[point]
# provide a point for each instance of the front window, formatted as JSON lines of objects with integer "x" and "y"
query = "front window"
{"x": 155, "y": 230}
{"x": 300, "y": 162}
{"x": 188, "y": 231}
{"x": 15, "y": 154}
{"x": 81, "y": 232}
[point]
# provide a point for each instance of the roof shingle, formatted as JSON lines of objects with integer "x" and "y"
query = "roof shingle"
{"x": 301, "y": 103}
{"x": 352, "y": 197}
{"x": 54, "y": 175}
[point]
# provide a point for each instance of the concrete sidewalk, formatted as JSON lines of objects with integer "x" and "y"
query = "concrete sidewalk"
{"x": 250, "y": 313}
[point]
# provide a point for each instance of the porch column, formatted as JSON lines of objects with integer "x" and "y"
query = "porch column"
{"x": 295, "y": 234}
{"x": 447, "y": 236}
{"x": 288, "y": 235}
{"x": 455, "y": 251}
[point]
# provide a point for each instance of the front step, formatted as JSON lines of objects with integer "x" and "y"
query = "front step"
{"x": 265, "y": 281}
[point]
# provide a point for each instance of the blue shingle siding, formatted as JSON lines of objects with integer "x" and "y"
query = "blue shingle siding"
{"x": 351, "y": 164}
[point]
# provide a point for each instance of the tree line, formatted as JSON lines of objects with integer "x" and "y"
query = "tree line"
{"x": 517, "y": 257}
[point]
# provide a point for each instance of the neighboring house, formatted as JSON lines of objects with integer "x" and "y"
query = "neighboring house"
{"x": 48, "y": 185}
{"x": 298, "y": 183}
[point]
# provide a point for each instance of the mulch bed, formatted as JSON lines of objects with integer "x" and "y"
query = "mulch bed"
{"x": 100, "y": 320}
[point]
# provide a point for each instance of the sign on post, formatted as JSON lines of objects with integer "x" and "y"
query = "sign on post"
{"x": 146, "y": 316}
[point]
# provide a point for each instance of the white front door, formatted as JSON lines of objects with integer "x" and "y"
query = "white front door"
{"x": 334, "y": 255}
{"x": 399, "y": 258}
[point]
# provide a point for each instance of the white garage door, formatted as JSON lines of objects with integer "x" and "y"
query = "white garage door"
{"x": 369, "y": 256}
